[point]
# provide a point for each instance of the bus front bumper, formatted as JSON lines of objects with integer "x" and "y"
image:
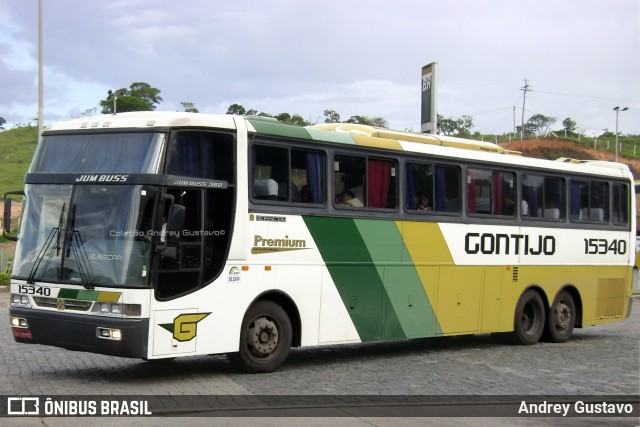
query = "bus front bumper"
{"x": 95, "y": 334}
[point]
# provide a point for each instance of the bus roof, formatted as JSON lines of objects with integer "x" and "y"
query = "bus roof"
{"x": 144, "y": 119}
{"x": 342, "y": 133}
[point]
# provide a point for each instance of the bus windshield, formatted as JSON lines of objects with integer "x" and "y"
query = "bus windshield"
{"x": 92, "y": 235}
{"x": 105, "y": 153}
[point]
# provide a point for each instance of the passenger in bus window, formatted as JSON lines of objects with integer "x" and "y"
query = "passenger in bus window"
{"x": 423, "y": 203}
{"x": 349, "y": 199}
{"x": 305, "y": 197}
{"x": 508, "y": 207}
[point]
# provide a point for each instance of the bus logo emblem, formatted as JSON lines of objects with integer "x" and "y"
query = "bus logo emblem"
{"x": 60, "y": 303}
{"x": 185, "y": 327}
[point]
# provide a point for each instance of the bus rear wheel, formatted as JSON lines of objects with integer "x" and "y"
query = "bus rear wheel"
{"x": 529, "y": 318}
{"x": 265, "y": 338}
{"x": 562, "y": 318}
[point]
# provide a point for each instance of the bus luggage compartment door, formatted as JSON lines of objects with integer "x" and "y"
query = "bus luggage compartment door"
{"x": 175, "y": 332}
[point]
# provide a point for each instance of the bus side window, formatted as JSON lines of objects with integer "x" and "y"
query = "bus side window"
{"x": 288, "y": 174}
{"x": 447, "y": 192}
{"x": 202, "y": 154}
{"x": 270, "y": 173}
{"x": 365, "y": 182}
{"x": 479, "y": 191}
{"x": 542, "y": 197}
{"x": 349, "y": 179}
{"x": 620, "y": 214}
{"x": 589, "y": 201}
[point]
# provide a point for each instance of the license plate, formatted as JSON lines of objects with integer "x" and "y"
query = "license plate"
{"x": 23, "y": 334}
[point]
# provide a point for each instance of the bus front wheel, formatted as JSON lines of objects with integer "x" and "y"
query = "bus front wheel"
{"x": 265, "y": 338}
{"x": 562, "y": 318}
{"x": 529, "y": 318}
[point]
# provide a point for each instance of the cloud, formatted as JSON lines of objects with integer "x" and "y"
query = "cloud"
{"x": 353, "y": 57}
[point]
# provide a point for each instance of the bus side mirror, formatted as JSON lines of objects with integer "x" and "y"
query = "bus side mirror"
{"x": 7, "y": 225}
{"x": 175, "y": 223}
{"x": 172, "y": 225}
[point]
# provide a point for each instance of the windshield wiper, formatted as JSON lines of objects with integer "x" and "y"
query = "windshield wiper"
{"x": 76, "y": 245}
{"x": 55, "y": 233}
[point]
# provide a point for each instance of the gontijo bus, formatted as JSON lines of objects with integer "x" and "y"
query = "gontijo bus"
{"x": 157, "y": 235}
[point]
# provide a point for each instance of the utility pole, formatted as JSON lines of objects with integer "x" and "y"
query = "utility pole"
{"x": 524, "y": 98}
{"x": 40, "y": 78}
{"x": 514, "y": 122}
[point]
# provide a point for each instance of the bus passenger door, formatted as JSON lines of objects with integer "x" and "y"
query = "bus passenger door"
{"x": 179, "y": 270}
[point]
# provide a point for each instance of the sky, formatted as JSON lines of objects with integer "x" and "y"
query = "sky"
{"x": 581, "y": 58}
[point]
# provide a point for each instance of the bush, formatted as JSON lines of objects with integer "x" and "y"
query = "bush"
{"x": 4, "y": 279}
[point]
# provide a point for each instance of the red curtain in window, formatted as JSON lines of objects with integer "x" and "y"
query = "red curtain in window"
{"x": 379, "y": 178}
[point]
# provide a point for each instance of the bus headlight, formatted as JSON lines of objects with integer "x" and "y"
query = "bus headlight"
{"x": 118, "y": 309}
{"x": 19, "y": 299}
{"x": 110, "y": 308}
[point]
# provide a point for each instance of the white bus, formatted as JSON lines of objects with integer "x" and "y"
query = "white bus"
{"x": 157, "y": 235}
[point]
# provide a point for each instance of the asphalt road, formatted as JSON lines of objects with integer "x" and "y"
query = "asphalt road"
{"x": 602, "y": 361}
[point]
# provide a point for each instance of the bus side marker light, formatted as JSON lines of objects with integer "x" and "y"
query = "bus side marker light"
{"x": 267, "y": 268}
{"x": 245, "y": 268}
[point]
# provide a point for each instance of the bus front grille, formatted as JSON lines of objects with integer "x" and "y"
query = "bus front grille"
{"x": 63, "y": 304}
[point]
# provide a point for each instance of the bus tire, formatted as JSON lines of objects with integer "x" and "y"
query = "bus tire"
{"x": 265, "y": 338}
{"x": 529, "y": 318}
{"x": 562, "y": 318}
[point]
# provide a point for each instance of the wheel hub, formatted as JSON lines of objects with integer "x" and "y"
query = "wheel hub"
{"x": 263, "y": 337}
{"x": 562, "y": 315}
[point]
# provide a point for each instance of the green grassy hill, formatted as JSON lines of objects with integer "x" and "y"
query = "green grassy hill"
{"x": 16, "y": 150}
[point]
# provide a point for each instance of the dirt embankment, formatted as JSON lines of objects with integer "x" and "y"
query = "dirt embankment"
{"x": 554, "y": 148}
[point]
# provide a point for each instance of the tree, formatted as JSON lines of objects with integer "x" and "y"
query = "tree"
{"x": 370, "y": 121}
{"x": 145, "y": 92}
{"x": 569, "y": 126}
{"x": 378, "y": 122}
{"x": 539, "y": 124}
{"x": 358, "y": 120}
{"x": 89, "y": 111}
{"x": 2, "y": 122}
{"x": 464, "y": 123}
{"x": 331, "y": 116}
{"x": 139, "y": 96}
{"x": 446, "y": 126}
{"x": 283, "y": 117}
{"x": 236, "y": 109}
{"x": 458, "y": 127}
{"x": 189, "y": 107}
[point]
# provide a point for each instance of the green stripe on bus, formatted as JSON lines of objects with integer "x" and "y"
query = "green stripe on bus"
{"x": 278, "y": 129}
{"x": 399, "y": 277}
{"x": 356, "y": 277}
{"x": 325, "y": 135}
{"x": 86, "y": 295}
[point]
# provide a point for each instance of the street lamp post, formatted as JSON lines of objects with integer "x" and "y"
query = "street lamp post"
{"x": 617, "y": 110}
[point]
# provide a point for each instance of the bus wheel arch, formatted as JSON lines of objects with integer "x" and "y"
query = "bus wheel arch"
{"x": 529, "y": 316}
{"x": 565, "y": 313}
{"x": 290, "y": 307}
{"x": 267, "y": 333}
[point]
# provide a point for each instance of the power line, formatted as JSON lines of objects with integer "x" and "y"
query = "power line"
{"x": 604, "y": 98}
